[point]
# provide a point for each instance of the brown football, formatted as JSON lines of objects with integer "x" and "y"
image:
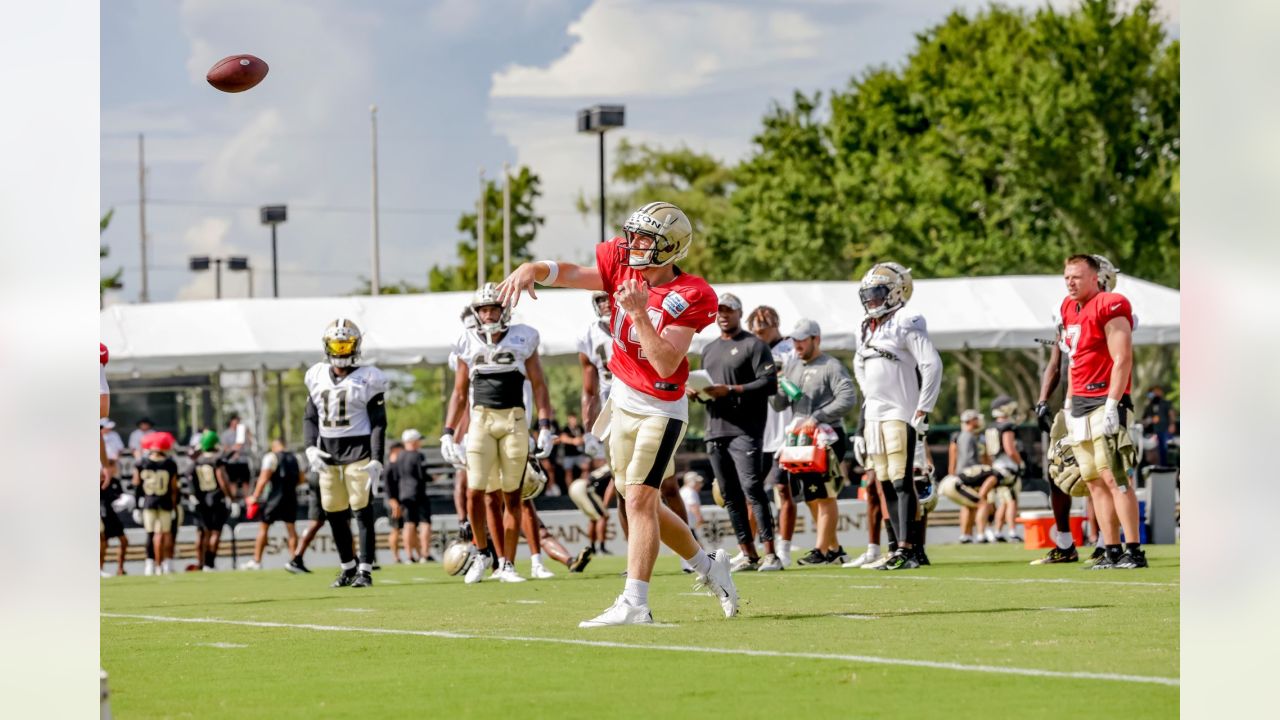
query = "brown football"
{"x": 237, "y": 73}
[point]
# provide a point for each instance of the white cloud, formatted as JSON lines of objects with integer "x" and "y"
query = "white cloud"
{"x": 633, "y": 49}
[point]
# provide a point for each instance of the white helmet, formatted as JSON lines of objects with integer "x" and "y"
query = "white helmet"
{"x": 342, "y": 343}
{"x": 886, "y": 287}
{"x": 535, "y": 481}
{"x": 484, "y": 297}
{"x": 600, "y": 303}
{"x": 1107, "y": 273}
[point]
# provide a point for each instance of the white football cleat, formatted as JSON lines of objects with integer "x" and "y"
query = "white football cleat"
{"x": 770, "y": 563}
{"x": 507, "y": 573}
{"x": 866, "y": 557}
{"x": 541, "y": 573}
{"x": 877, "y": 563}
{"x": 719, "y": 581}
{"x": 150, "y": 568}
{"x": 620, "y": 613}
{"x": 105, "y": 574}
{"x": 475, "y": 573}
{"x": 251, "y": 565}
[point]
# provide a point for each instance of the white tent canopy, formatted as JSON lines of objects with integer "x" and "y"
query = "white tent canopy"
{"x": 159, "y": 339}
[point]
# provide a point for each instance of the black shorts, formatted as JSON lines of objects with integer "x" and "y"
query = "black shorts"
{"x": 238, "y": 472}
{"x": 111, "y": 525}
{"x": 212, "y": 517}
{"x": 280, "y": 510}
{"x": 417, "y": 510}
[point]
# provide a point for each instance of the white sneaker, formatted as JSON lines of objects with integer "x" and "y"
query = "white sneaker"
{"x": 508, "y": 574}
{"x": 989, "y": 536}
{"x": 149, "y": 568}
{"x": 541, "y": 573}
{"x": 785, "y": 557}
{"x": 105, "y": 574}
{"x": 769, "y": 563}
{"x": 166, "y": 568}
{"x": 620, "y": 613}
{"x": 877, "y": 563}
{"x": 720, "y": 582}
{"x": 475, "y": 573}
{"x": 251, "y": 565}
{"x": 866, "y": 557}
{"x": 737, "y": 558}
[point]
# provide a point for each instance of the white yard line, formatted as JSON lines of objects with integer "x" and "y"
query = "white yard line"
{"x": 893, "y": 575}
{"x": 869, "y": 659}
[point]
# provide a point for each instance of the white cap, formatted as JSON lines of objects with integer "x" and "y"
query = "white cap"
{"x": 805, "y": 329}
{"x": 107, "y": 423}
{"x": 410, "y": 435}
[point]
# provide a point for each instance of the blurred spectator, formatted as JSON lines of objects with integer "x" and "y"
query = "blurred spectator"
{"x": 572, "y": 458}
{"x": 1159, "y": 419}
{"x": 415, "y": 506}
{"x": 967, "y": 451}
{"x": 764, "y": 323}
{"x": 690, "y": 492}
{"x": 111, "y": 440}
{"x": 277, "y": 489}
{"x": 213, "y": 499}
{"x": 135, "y": 438}
{"x": 391, "y": 499}
{"x": 237, "y": 447}
{"x": 109, "y": 525}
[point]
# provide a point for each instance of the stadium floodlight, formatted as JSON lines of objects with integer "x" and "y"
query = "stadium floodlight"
{"x": 599, "y": 119}
{"x": 273, "y": 215}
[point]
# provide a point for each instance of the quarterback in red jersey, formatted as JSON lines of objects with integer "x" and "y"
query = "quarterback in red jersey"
{"x": 1097, "y": 338}
{"x": 655, "y": 310}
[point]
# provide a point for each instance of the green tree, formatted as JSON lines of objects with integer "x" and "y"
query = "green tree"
{"x": 525, "y": 190}
{"x": 697, "y": 183}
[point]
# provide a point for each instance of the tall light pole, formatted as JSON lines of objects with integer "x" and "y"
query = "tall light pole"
{"x": 480, "y": 233}
{"x": 240, "y": 263}
{"x": 599, "y": 119}
{"x": 506, "y": 220}
{"x": 143, "y": 295}
{"x": 376, "y": 282}
{"x": 201, "y": 263}
{"x": 273, "y": 215}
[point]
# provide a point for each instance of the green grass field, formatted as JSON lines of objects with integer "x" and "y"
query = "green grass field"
{"x": 979, "y": 634}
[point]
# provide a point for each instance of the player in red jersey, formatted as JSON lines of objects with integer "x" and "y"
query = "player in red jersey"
{"x": 655, "y": 310}
{"x": 1097, "y": 338}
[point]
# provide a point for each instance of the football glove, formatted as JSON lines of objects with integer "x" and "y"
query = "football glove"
{"x": 448, "y": 449}
{"x": 1111, "y": 418}
{"x": 545, "y": 443}
{"x": 374, "y": 468}
{"x": 592, "y": 446}
{"x": 234, "y": 507}
{"x": 137, "y": 516}
{"x": 920, "y": 423}
{"x": 860, "y": 450}
{"x": 1044, "y": 417}
{"x": 460, "y": 456}
{"x": 464, "y": 531}
{"x": 315, "y": 459}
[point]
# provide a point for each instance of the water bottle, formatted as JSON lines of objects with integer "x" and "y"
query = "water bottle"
{"x": 790, "y": 389}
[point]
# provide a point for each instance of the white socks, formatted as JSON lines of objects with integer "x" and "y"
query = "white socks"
{"x": 636, "y": 592}
{"x": 537, "y": 559}
{"x": 700, "y": 562}
{"x": 365, "y": 568}
{"x": 1063, "y": 540}
{"x": 873, "y": 550}
{"x": 349, "y": 565}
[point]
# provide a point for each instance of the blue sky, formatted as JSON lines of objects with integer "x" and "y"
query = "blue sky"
{"x": 460, "y": 85}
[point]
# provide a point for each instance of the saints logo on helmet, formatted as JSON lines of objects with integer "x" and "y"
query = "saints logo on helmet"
{"x": 458, "y": 557}
{"x": 600, "y": 301}
{"x": 342, "y": 343}
{"x": 485, "y": 297}
{"x": 886, "y": 287}
{"x": 657, "y": 234}
{"x": 1107, "y": 274}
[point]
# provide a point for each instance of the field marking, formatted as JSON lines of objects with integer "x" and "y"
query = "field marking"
{"x": 221, "y": 645}
{"x": 869, "y": 659}
{"x": 860, "y": 617}
{"x": 353, "y": 610}
{"x": 1002, "y": 581}
{"x": 529, "y": 602}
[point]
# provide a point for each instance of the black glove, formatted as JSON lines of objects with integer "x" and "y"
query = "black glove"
{"x": 464, "y": 531}
{"x": 1044, "y": 417}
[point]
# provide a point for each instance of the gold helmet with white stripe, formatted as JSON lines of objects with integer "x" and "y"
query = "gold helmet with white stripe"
{"x": 1107, "y": 273}
{"x": 886, "y": 287}
{"x": 657, "y": 234}
{"x": 342, "y": 343}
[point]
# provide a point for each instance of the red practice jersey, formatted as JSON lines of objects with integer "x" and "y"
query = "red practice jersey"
{"x": 687, "y": 300}
{"x": 1085, "y": 342}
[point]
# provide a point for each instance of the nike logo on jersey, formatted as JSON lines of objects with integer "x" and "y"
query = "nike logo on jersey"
{"x": 1113, "y": 307}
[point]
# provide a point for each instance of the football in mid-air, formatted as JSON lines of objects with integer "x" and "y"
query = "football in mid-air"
{"x": 237, "y": 73}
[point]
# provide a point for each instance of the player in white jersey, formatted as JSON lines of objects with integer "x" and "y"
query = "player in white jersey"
{"x": 345, "y": 428}
{"x": 900, "y": 372}
{"x": 595, "y": 347}
{"x": 493, "y": 363}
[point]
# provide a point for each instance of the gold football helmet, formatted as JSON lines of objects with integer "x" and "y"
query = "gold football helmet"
{"x": 1107, "y": 273}
{"x": 886, "y": 287}
{"x": 342, "y": 343}
{"x": 657, "y": 234}
{"x": 484, "y": 297}
{"x": 1063, "y": 470}
{"x": 600, "y": 302}
{"x": 458, "y": 557}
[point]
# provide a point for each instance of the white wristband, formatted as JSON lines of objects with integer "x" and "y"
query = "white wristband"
{"x": 553, "y": 272}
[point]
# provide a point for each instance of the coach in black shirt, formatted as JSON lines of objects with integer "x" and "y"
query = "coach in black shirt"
{"x": 415, "y": 507}
{"x": 744, "y": 376}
